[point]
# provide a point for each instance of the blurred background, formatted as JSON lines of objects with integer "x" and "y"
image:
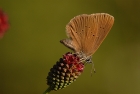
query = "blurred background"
{"x": 31, "y": 46}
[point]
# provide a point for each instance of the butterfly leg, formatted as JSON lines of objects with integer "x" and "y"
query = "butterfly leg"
{"x": 93, "y": 68}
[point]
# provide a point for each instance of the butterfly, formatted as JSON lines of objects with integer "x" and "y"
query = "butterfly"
{"x": 86, "y": 33}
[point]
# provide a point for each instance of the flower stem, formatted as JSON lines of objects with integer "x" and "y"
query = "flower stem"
{"x": 47, "y": 90}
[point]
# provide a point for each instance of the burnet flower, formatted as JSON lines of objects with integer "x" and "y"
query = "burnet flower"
{"x": 64, "y": 72}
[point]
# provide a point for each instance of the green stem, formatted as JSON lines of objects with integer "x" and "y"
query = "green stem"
{"x": 47, "y": 90}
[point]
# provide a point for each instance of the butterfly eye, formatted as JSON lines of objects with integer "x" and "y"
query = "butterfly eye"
{"x": 89, "y": 60}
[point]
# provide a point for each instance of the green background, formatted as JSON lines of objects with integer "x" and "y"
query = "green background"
{"x": 31, "y": 46}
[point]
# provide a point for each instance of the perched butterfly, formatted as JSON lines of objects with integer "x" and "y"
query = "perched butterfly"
{"x": 86, "y": 33}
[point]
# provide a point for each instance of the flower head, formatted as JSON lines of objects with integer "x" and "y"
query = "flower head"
{"x": 3, "y": 23}
{"x": 64, "y": 72}
{"x": 73, "y": 60}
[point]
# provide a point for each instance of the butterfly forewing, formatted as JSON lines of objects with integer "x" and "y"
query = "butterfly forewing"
{"x": 104, "y": 22}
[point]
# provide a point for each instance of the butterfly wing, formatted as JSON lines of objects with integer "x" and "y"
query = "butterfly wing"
{"x": 68, "y": 43}
{"x": 76, "y": 30}
{"x": 104, "y": 24}
{"x": 86, "y": 32}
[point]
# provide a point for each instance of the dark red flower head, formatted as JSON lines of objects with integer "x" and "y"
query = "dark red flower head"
{"x": 74, "y": 60}
{"x": 64, "y": 72}
{"x": 3, "y": 23}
